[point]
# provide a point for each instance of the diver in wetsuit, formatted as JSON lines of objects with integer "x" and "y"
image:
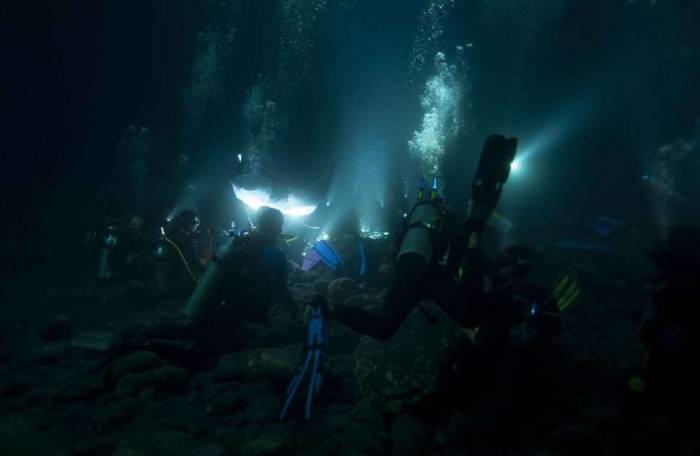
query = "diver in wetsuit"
{"x": 243, "y": 278}
{"x": 414, "y": 278}
{"x": 238, "y": 284}
{"x": 438, "y": 258}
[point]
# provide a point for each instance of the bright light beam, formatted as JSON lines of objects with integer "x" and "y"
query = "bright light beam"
{"x": 562, "y": 124}
{"x": 289, "y": 205}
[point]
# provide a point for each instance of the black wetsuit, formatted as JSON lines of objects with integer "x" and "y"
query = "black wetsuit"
{"x": 458, "y": 287}
{"x": 440, "y": 282}
{"x": 263, "y": 276}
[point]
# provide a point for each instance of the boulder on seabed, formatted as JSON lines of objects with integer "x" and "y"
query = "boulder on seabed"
{"x": 343, "y": 288}
{"x": 274, "y": 364}
{"x": 18, "y": 437}
{"x": 168, "y": 378}
{"x": 132, "y": 363}
{"x": 57, "y": 328}
{"x": 404, "y": 369}
{"x": 99, "y": 342}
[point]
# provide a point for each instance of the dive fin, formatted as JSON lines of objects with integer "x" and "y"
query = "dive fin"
{"x": 306, "y": 385}
{"x": 363, "y": 258}
{"x": 493, "y": 169}
{"x": 565, "y": 291}
{"x": 328, "y": 255}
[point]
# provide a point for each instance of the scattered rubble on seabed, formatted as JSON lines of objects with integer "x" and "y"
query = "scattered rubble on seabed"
{"x": 426, "y": 390}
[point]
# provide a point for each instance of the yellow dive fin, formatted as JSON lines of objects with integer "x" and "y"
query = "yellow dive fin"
{"x": 565, "y": 291}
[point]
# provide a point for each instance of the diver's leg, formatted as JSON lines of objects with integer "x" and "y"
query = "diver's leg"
{"x": 448, "y": 293}
{"x": 402, "y": 296}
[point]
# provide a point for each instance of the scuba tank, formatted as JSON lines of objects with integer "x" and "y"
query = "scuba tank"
{"x": 421, "y": 228}
{"x": 164, "y": 272}
{"x": 211, "y": 286}
{"x": 105, "y": 266}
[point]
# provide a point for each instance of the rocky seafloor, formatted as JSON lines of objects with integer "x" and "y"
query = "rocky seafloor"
{"x": 71, "y": 388}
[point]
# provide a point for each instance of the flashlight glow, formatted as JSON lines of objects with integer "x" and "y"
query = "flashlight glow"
{"x": 515, "y": 165}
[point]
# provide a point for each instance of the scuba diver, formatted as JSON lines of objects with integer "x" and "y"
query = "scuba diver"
{"x": 121, "y": 255}
{"x": 243, "y": 277}
{"x": 437, "y": 257}
{"x": 670, "y": 330}
{"x": 238, "y": 283}
{"x": 178, "y": 266}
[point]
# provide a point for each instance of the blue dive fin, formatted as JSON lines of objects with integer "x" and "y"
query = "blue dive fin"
{"x": 310, "y": 376}
{"x": 363, "y": 259}
{"x": 328, "y": 255}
